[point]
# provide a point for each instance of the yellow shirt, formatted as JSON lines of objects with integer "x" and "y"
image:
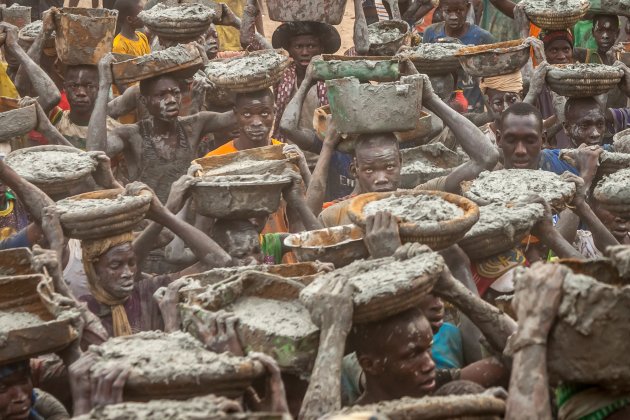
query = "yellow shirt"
{"x": 124, "y": 45}
{"x": 229, "y": 38}
{"x": 7, "y": 88}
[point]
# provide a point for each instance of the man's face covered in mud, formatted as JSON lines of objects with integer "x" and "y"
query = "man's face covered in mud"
{"x": 163, "y": 98}
{"x": 16, "y": 390}
{"x": 116, "y": 270}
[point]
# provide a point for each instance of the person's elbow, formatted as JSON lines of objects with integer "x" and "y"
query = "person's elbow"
{"x": 490, "y": 159}
{"x": 50, "y": 101}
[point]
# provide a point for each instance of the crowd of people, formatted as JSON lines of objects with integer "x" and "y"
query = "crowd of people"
{"x": 484, "y": 329}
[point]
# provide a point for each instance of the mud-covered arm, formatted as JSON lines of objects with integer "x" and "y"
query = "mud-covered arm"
{"x": 550, "y": 236}
{"x": 332, "y": 311}
{"x": 360, "y": 34}
{"x": 211, "y": 122}
{"x": 536, "y": 301}
{"x": 483, "y": 154}
{"x": 32, "y": 197}
{"x": 97, "y": 128}
{"x": 294, "y": 195}
{"x": 290, "y": 121}
{"x": 417, "y": 10}
{"x": 176, "y": 251}
{"x": 250, "y": 39}
{"x": 43, "y": 86}
{"x": 494, "y": 324}
{"x": 316, "y": 192}
{"x": 125, "y": 103}
{"x": 44, "y": 126}
{"x": 205, "y": 249}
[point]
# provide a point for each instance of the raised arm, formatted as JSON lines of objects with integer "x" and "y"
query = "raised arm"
{"x": 316, "y": 192}
{"x": 483, "y": 155}
{"x": 43, "y": 86}
{"x": 536, "y": 301}
{"x": 289, "y": 123}
{"x": 294, "y": 196}
{"x": 504, "y": 6}
{"x": 125, "y": 103}
{"x": 97, "y": 128}
{"x": 332, "y": 312}
{"x": 250, "y": 39}
{"x": 360, "y": 35}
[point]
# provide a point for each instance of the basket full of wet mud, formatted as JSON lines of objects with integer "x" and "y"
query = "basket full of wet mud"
{"x": 510, "y": 185}
{"x": 28, "y": 326}
{"x": 327, "y": 11}
{"x": 250, "y": 72}
{"x": 272, "y": 320}
{"x": 582, "y": 80}
{"x": 434, "y": 58}
{"x": 259, "y": 160}
{"x": 174, "y": 365}
{"x": 17, "y": 122}
{"x": 379, "y": 69}
{"x": 184, "y": 22}
{"x": 239, "y": 196}
{"x": 27, "y": 36}
{"x": 383, "y": 287}
{"x": 100, "y": 214}
{"x": 613, "y": 191}
{"x": 426, "y": 162}
{"x": 621, "y": 142}
{"x": 470, "y": 407}
{"x": 500, "y": 227}
{"x": 182, "y": 59}
{"x": 355, "y": 110}
{"x": 16, "y": 15}
{"x": 53, "y": 169}
{"x": 434, "y": 218}
{"x": 494, "y": 59}
{"x": 586, "y": 344}
{"x": 84, "y": 35}
{"x": 339, "y": 245}
{"x": 206, "y": 407}
{"x": 386, "y": 37}
{"x": 556, "y": 14}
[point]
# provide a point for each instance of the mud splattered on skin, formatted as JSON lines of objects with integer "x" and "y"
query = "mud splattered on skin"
{"x": 420, "y": 208}
{"x": 380, "y": 277}
{"x": 50, "y": 165}
{"x": 508, "y": 185}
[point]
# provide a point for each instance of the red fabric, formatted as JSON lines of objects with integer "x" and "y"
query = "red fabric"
{"x": 63, "y": 105}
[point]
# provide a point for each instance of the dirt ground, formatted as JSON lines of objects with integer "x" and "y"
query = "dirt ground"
{"x": 345, "y": 29}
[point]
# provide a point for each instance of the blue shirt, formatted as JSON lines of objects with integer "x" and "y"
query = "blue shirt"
{"x": 474, "y": 36}
{"x": 448, "y": 351}
{"x": 340, "y": 182}
{"x": 550, "y": 161}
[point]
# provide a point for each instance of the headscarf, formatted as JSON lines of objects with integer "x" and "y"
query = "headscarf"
{"x": 92, "y": 250}
{"x": 547, "y": 37}
{"x": 512, "y": 82}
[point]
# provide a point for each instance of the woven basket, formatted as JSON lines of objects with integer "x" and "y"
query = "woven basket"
{"x": 621, "y": 141}
{"x": 261, "y": 80}
{"x": 152, "y": 65}
{"x": 103, "y": 222}
{"x": 556, "y": 20}
{"x": 431, "y": 65}
{"x": 177, "y": 29}
{"x": 54, "y": 187}
{"x": 437, "y": 235}
{"x": 484, "y": 246}
{"x": 494, "y": 59}
{"x": 391, "y": 48}
{"x": 610, "y": 166}
{"x": 327, "y": 11}
{"x": 584, "y": 81}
